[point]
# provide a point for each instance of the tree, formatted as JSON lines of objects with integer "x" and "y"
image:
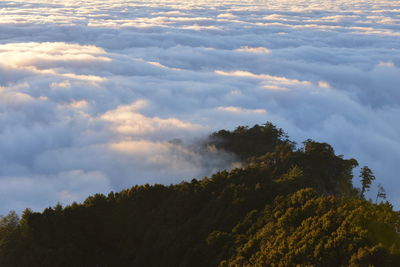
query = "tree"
{"x": 381, "y": 193}
{"x": 287, "y": 207}
{"x": 366, "y": 179}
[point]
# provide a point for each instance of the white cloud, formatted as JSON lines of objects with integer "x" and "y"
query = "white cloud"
{"x": 240, "y": 110}
{"x": 127, "y": 120}
{"x": 91, "y": 93}
{"x": 257, "y": 50}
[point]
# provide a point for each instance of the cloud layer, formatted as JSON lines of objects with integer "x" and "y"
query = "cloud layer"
{"x": 92, "y": 93}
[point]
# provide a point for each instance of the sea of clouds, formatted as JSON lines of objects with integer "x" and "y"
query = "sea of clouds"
{"x": 93, "y": 92}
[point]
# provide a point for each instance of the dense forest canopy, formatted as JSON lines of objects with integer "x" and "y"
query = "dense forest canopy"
{"x": 285, "y": 206}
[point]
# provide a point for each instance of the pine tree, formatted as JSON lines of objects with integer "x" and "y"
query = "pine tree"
{"x": 366, "y": 179}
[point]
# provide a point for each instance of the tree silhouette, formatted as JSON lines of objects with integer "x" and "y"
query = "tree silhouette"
{"x": 381, "y": 193}
{"x": 366, "y": 179}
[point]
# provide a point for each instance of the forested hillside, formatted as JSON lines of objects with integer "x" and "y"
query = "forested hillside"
{"x": 287, "y": 205}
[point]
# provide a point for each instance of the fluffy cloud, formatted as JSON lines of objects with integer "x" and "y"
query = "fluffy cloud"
{"x": 91, "y": 94}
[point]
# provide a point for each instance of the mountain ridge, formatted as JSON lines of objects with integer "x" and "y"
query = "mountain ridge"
{"x": 286, "y": 206}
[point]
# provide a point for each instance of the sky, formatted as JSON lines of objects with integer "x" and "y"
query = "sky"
{"x": 97, "y": 96}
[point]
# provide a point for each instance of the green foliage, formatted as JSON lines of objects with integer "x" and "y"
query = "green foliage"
{"x": 366, "y": 179}
{"x": 286, "y": 207}
{"x": 248, "y": 142}
{"x": 310, "y": 230}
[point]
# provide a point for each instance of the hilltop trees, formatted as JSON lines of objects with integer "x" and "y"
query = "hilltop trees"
{"x": 285, "y": 207}
{"x": 248, "y": 142}
{"x": 366, "y": 179}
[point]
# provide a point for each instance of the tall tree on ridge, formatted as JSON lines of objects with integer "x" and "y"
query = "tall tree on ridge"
{"x": 366, "y": 179}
